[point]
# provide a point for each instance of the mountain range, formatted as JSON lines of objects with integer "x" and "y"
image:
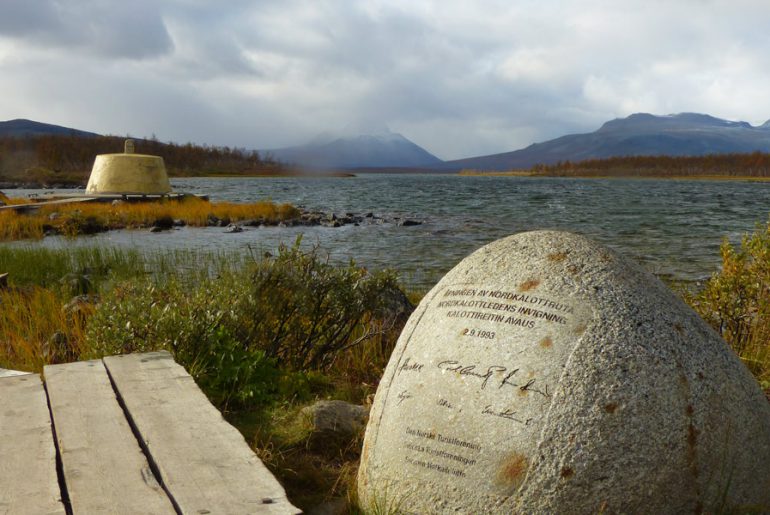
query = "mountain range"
{"x": 24, "y": 128}
{"x": 641, "y": 134}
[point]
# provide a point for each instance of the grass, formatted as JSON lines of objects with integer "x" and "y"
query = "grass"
{"x": 223, "y": 317}
{"x": 37, "y": 329}
{"x": 87, "y": 218}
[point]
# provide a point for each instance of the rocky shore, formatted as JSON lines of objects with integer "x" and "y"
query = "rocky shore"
{"x": 9, "y": 185}
{"x": 306, "y": 219}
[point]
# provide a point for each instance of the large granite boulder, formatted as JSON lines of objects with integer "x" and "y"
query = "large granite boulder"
{"x": 547, "y": 374}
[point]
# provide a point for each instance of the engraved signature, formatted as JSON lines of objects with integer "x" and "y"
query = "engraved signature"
{"x": 506, "y": 413}
{"x": 410, "y": 367}
{"x": 470, "y": 370}
{"x": 404, "y": 396}
{"x": 486, "y": 375}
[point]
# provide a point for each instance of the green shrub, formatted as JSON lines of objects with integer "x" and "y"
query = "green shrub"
{"x": 303, "y": 311}
{"x": 736, "y": 301}
{"x": 140, "y": 316}
{"x": 249, "y": 335}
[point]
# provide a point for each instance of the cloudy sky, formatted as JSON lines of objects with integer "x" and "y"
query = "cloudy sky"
{"x": 458, "y": 78}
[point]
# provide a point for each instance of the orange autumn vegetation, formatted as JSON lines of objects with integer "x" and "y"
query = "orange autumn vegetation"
{"x": 80, "y": 218}
{"x": 35, "y": 329}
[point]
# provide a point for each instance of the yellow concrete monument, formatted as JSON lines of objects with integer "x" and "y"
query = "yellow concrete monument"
{"x": 128, "y": 173}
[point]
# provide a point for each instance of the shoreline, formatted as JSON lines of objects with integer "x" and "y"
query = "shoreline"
{"x": 34, "y": 185}
{"x": 522, "y": 173}
{"x": 26, "y": 185}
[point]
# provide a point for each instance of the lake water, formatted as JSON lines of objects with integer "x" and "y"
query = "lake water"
{"x": 672, "y": 227}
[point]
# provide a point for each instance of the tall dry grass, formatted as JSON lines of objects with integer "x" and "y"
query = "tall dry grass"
{"x": 82, "y": 218}
{"x": 14, "y": 226}
{"x": 36, "y": 328}
{"x": 191, "y": 210}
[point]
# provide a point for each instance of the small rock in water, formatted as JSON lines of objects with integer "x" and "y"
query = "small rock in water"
{"x": 408, "y": 223}
{"x": 547, "y": 374}
{"x": 233, "y": 228}
{"x": 164, "y": 222}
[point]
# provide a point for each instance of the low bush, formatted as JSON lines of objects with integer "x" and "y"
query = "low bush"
{"x": 292, "y": 313}
{"x": 736, "y": 301}
{"x": 303, "y": 311}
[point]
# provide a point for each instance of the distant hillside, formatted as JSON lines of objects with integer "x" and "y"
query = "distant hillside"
{"x": 754, "y": 165}
{"x": 37, "y": 158}
{"x": 686, "y": 134}
{"x": 24, "y": 128}
{"x": 383, "y": 149}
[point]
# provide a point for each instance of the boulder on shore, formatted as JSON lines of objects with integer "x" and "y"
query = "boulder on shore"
{"x": 547, "y": 374}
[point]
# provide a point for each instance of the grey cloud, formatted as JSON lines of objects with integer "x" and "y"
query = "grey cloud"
{"x": 27, "y": 17}
{"x": 460, "y": 78}
{"x": 129, "y": 30}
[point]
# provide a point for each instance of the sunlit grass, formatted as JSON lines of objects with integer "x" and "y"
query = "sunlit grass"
{"x": 40, "y": 323}
{"x": 14, "y": 226}
{"x": 36, "y": 329}
{"x": 193, "y": 211}
{"x": 82, "y": 218}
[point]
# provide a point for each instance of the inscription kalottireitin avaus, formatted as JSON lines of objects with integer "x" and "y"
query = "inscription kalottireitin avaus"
{"x": 517, "y": 309}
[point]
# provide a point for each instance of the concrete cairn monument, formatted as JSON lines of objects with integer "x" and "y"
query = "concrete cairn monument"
{"x": 128, "y": 173}
{"x": 547, "y": 374}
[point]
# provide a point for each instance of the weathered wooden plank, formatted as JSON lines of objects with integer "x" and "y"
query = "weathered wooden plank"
{"x": 104, "y": 468}
{"x": 204, "y": 462}
{"x": 28, "y": 479}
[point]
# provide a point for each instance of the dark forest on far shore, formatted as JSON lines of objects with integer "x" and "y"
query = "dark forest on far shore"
{"x": 67, "y": 159}
{"x": 756, "y": 164}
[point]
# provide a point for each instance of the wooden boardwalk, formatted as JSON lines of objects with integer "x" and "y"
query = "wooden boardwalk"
{"x": 74, "y": 198}
{"x": 124, "y": 435}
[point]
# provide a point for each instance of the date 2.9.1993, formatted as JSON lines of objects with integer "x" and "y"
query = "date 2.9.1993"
{"x": 478, "y": 333}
